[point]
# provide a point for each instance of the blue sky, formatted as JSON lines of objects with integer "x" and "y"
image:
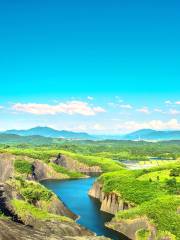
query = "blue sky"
{"x": 96, "y": 66}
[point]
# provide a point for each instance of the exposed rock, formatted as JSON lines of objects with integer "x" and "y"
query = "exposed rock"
{"x": 13, "y": 231}
{"x": 56, "y": 206}
{"x": 75, "y": 165}
{"x": 130, "y": 227}
{"x": 110, "y": 202}
{"x": 43, "y": 171}
{"x": 6, "y": 166}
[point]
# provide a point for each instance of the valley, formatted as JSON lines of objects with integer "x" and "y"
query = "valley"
{"x": 76, "y": 189}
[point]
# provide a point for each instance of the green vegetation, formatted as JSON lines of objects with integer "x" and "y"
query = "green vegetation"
{"x": 45, "y": 154}
{"x": 25, "y": 210}
{"x": 152, "y": 193}
{"x": 142, "y": 234}
{"x": 130, "y": 188}
{"x": 60, "y": 169}
{"x": 162, "y": 211}
{"x": 158, "y": 176}
{"x": 23, "y": 167}
{"x": 31, "y": 191}
{"x": 106, "y": 164}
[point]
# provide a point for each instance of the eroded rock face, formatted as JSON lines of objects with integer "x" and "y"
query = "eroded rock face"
{"x": 13, "y": 231}
{"x": 130, "y": 227}
{"x": 110, "y": 202}
{"x": 43, "y": 171}
{"x": 73, "y": 164}
{"x": 56, "y": 206}
{"x": 6, "y": 166}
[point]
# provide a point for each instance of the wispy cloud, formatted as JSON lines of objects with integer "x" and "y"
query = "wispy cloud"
{"x": 178, "y": 102}
{"x": 144, "y": 110}
{"x": 71, "y": 108}
{"x": 168, "y": 102}
{"x": 154, "y": 124}
{"x": 126, "y": 106}
{"x": 90, "y": 98}
{"x": 174, "y": 112}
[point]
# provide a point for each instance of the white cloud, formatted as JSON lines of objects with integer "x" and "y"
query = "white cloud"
{"x": 178, "y": 102}
{"x": 1, "y": 107}
{"x": 168, "y": 102}
{"x": 144, "y": 110}
{"x": 154, "y": 124}
{"x": 174, "y": 112}
{"x": 126, "y": 106}
{"x": 158, "y": 110}
{"x": 98, "y": 127}
{"x": 90, "y": 98}
{"x": 71, "y": 107}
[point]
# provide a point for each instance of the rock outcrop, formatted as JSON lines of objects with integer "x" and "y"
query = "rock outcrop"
{"x": 10, "y": 230}
{"x": 75, "y": 165}
{"x": 43, "y": 171}
{"x": 6, "y": 166}
{"x": 110, "y": 202}
{"x": 56, "y": 206}
{"x": 130, "y": 227}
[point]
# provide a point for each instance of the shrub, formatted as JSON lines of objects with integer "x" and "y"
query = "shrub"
{"x": 22, "y": 166}
{"x": 175, "y": 172}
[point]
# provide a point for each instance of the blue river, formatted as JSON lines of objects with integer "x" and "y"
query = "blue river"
{"x": 74, "y": 194}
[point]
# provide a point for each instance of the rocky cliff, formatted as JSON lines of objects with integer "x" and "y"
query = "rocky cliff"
{"x": 131, "y": 227}
{"x": 6, "y": 166}
{"x": 72, "y": 164}
{"x": 43, "y": 171}
{"x": 110, "y": 202}
{"x": 10, "y": 230}
{"x": 15, "y": 227}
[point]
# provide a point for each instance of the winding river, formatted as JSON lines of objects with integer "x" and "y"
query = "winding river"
{"x": 74, "y": 194}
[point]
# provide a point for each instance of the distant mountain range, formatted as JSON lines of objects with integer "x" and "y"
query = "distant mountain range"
{"x": 143, "y": 134}
{"x": 50, "y": 132}
{"x": 152, "y": 135}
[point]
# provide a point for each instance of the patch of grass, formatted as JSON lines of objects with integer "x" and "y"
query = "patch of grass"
{"x": 25, "y": 210}
{"x": 158, "y": 176}
{"x": 130, "y": 189}
{"x": 60, "y": 169}
{"x": 142, "y": 234}
{"x": 106, "y": 164}
{"x": 23, "y": 166}
{"x": 31, "y": 191}
{"x": 161, "y": 211}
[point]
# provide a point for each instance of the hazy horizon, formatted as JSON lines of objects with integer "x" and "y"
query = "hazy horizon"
{"x": 91, "y": 66}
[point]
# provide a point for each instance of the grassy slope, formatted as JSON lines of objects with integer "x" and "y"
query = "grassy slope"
{"x": 24, "y": 210}
{"x": 44, "y": 154}
{"x": 151, "y": 198}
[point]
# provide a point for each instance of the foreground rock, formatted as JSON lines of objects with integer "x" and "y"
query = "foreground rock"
{"x": 10, "y": 230}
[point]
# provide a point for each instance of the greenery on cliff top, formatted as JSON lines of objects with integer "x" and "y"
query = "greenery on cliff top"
{"x": 161, "y": 211}
{"x": 117, "y": 150}
{"x": 153, "y": 193}
{"x": 60, "y": 169}
{"x": 25, "y": 210}
{"x": 23, "y": 166}
{"x": 138, "y": 186}
{"x": 106, "y": 164}
{"x": 31, "y": 191}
